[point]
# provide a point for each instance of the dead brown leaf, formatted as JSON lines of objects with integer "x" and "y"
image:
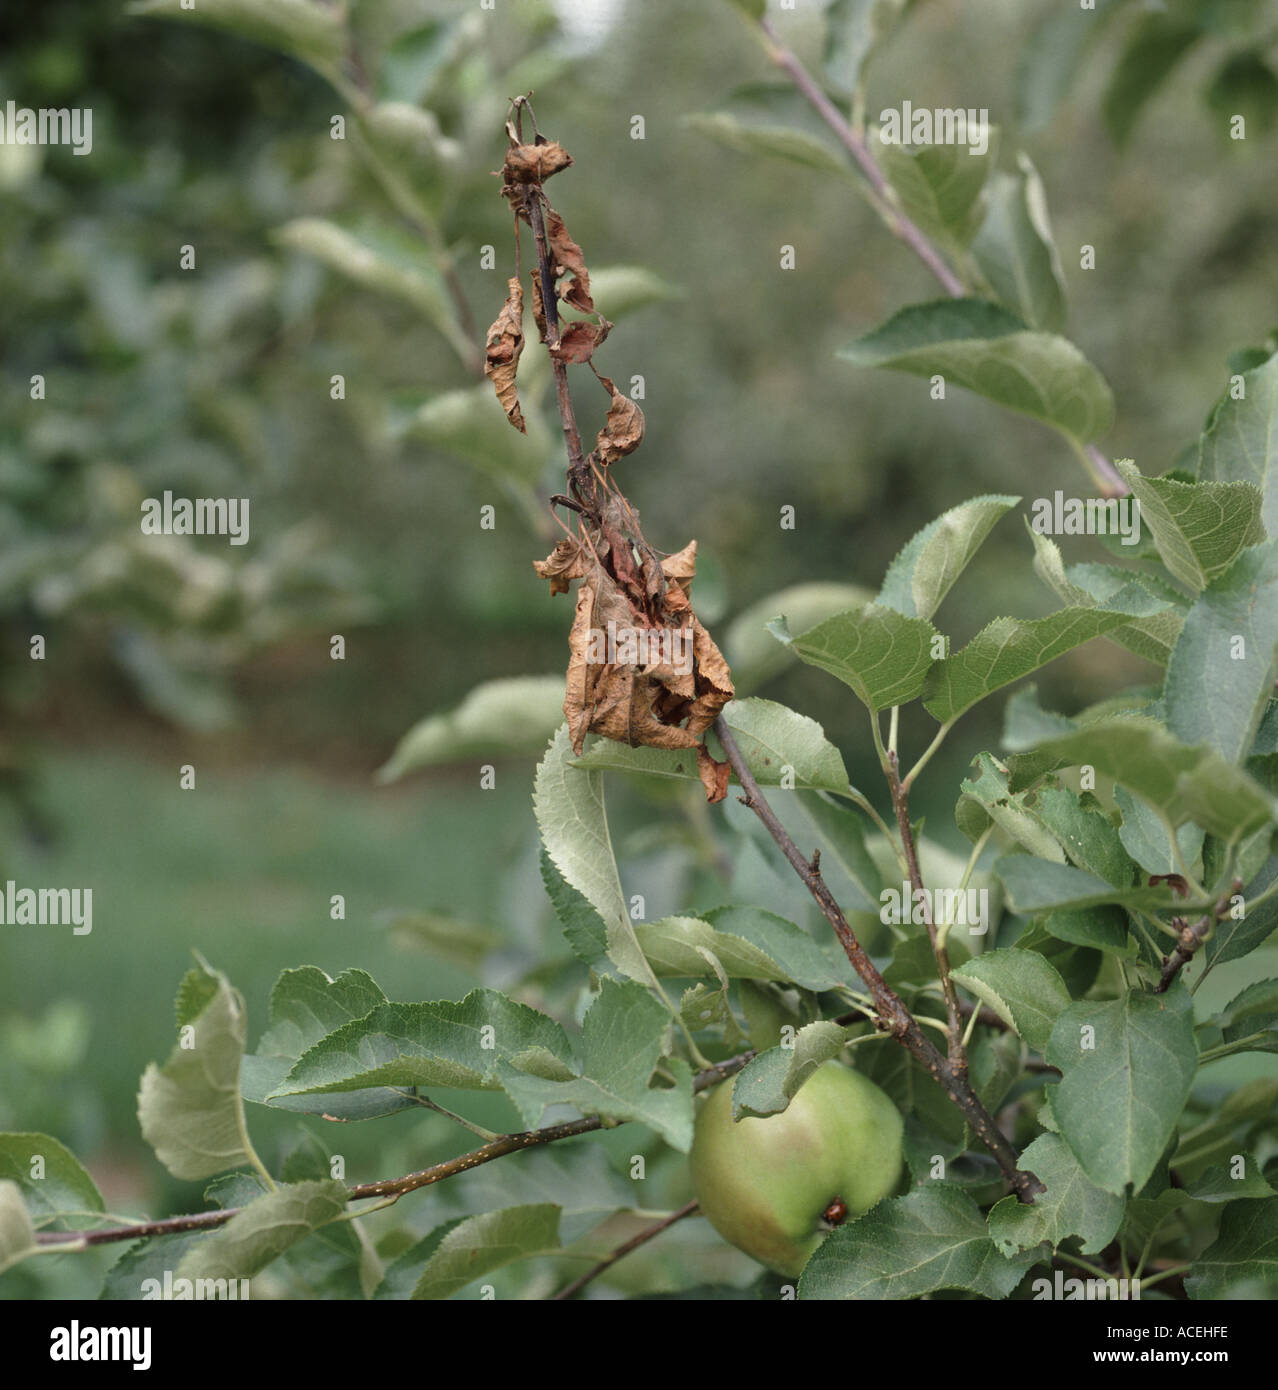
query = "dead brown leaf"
{"x": 501, "y": 352}
{"x": 566, "y": 562}
{"x": 578, "y": 340}
{"x": 714, "y": 775}
{"x": 623, "y": 428}
{"x": 568, "y": 257}
{"x": 662, "y": 700}
{"x": 534, "y": 163}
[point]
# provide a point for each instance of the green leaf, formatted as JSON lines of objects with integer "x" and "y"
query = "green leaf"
{"x": 577, "y": 1178}
{"x": 338, "y": 1261}
{"x": 306, "y": 1005}
{"x": 502, "y": 718}
{"x": 583, "y": 927}
{"x": 1096, "y": 928}
{"x": 1145, "y": 838}
{"x": 1147, "y": 1215}
{"x": 1222, "y": 671}
{"x": 1038, "y": 885}
{"x": 985, "y": 798}
{"x": 621, "y": 290}
{"x": 883, "y": 656}
{"x": 752, "y": 9}
{"x": 852, "y": 30}
{"x": 1127, "y": 1067}
{"x": 842, "y": 835}
{"x": 772, "y": 738}
{"x": 917, "y": 1095}
{"x": 147, "y": 1259}
{"x": 1245, "y": 85}
{"x": 623, "y": 1036}
{"x": 190, "y": 1109}
{"x": 419, "y": 58}
{"x": 1236, "y": 937}
{"x": 1243, "y": 1261}
{"x": 1006, "y": 650}
{"x": 1161, "y": 608}
{"x": 1015, "y": 250}
{"x": 1253, "y": 1014}
{"x": 754, "y": 653}
{"x": 263, "y": 1231}
{"x": 1200, "y": 529}
{"x": 51, "y": 1179}
{"x": 1240, "y": 443}
{"x": 939, "y": 187}
{"x": 914, "y": 961}
{"x": 1218, "y": 1185}
{"x": 1086, "y": 834}
{"x": 755, "y": 945}
{"x": 768, "y": 1084}
{"x": 416, "y": 157}
{"x": 1153, "y": 50}
{"x": 1021, "y": 987}
{"x": 470, "y": 424}
{"x": 1071, "y": 1206}
{"x": 995, "y": 1066}
{"x": 934, "y": 1238}
{"x": 481, "y": 1245}
{"x": 985, "y": 348}
{"x": 773, "y": 119}
{"x": 569, "y": 805}
{"x": 1249, "y": 1107}
{"x": 925, "y": 569}
{"x": 444, "y": 937}
{"x": 1187, "y": 783}
{"x": 440, "y": 1043}
{"x": 1053, "y": 56}
{"x": 303, "y": 28}
{"x": 17, "y": 1234}
{"x": 803, "y": 959}
{"x": 417, "y": 284}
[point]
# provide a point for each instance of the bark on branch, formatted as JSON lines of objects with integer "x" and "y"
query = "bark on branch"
{"x": 894, "y": 1017}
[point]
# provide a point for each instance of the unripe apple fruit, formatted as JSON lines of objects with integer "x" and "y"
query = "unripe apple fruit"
{"x": 767, "y": 1183}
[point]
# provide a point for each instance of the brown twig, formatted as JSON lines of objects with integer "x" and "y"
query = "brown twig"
{"x": 894, "y": 1017}
{"x": 392, "y": 1187}
{"x": 1192, "y": 938}
{"x": 610, "y": 1259}
{"x": 954, "y": 1028}
{"x": 577, "y": 468}
{"x": 1110, "y": 482}
{"x": 396, "y": 1187}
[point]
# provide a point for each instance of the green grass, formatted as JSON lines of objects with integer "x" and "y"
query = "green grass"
{"x": 241, "y": 868}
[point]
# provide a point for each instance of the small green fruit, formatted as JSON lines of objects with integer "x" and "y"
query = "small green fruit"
{"x": 766, "y": 1184}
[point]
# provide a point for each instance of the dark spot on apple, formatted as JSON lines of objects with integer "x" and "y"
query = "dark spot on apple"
{"x": 836, "y": 1213}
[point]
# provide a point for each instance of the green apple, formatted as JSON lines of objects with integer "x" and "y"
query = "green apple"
{"x": 766, "y": 1184}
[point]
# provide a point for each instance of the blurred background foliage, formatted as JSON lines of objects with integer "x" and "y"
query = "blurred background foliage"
{"x": 364, "y": 257}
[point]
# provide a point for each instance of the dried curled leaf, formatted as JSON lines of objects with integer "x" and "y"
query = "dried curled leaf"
{"x": 641, "y": 670}
{"x": 714, "y": 775}
{"x": 579, "y": 340}
{"x": 501, "y": 352}
{"x": 568, "y": 257}
{"x": 534, "y": 163}
{"x": 623, "y": 429}
{"x": 566, "y": 562}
